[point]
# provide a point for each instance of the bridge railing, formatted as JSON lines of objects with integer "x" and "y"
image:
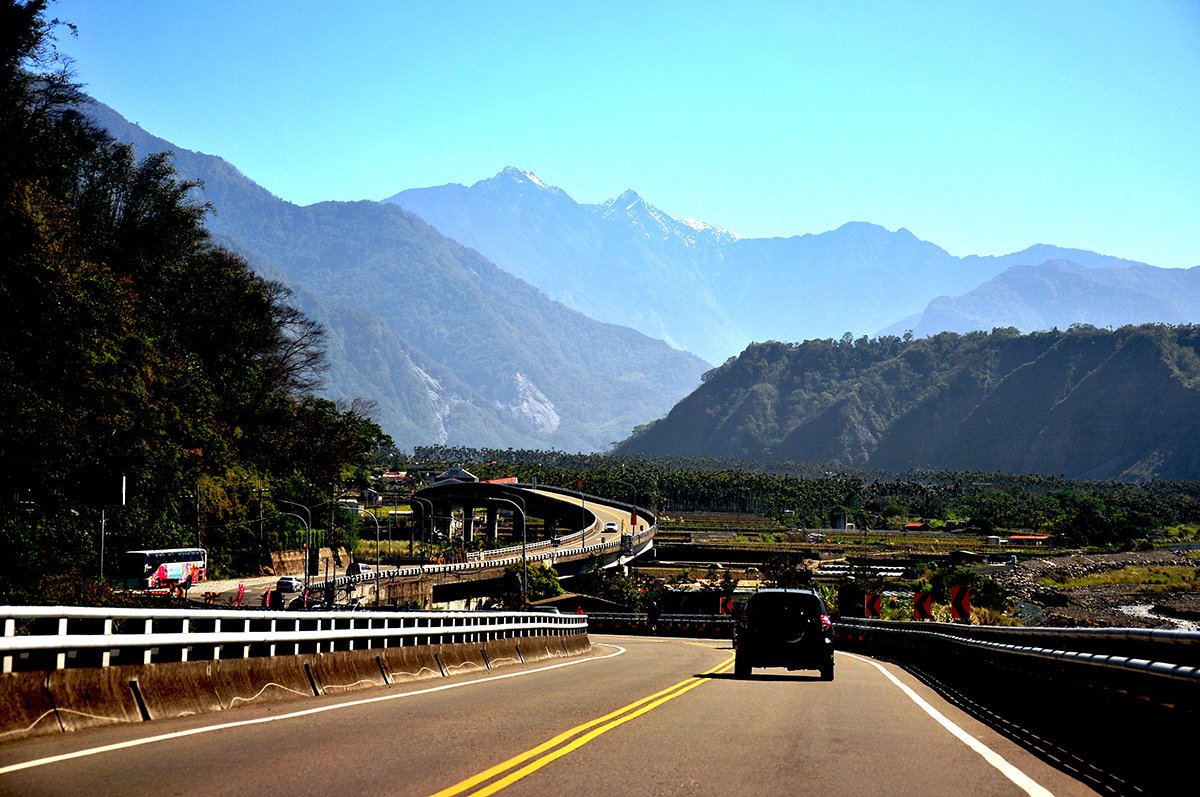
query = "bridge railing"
{"x": 546, "y": 554}
{"x": 707, "y": 626}
{"x": 55, "y": 638}
{"x": 1162, "y": 658}
{"x": 1118, "y": 705}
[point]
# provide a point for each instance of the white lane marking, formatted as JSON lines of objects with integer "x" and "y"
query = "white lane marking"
{"x": 1026, "y": 783}
{"x": 108, "y": 748}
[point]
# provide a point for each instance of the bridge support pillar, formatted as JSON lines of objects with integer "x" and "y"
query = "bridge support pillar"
{"x": 493, "y": 523}
{"x": 468, "y": 516}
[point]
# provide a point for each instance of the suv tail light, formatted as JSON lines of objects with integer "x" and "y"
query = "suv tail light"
{"x": 826, "y": 623}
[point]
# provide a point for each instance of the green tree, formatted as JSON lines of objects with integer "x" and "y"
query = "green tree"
{"x": 610, "y": 584}
{"x": 542, "y": 583}
{"x": 133, "y": 350}
{"x": 786, "y": 570}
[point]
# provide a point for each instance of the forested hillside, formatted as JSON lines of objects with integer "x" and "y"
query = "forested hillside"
{"x": 144, "y": 371}
{"x": 1083, "y": 403}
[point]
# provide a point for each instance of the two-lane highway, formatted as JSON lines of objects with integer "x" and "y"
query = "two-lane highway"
{"x": 643, "y": 716}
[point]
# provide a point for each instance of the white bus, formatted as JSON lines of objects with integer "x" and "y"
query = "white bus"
{"x": 164, "y": 567}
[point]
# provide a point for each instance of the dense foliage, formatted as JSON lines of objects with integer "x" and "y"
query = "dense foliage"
{"x": 1099, "y": 513}
{"x": 1083, "y": 402}
{"x": 145, "y": 372}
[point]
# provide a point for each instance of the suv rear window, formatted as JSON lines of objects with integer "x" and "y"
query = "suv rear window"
{"x": 783, "y": 609}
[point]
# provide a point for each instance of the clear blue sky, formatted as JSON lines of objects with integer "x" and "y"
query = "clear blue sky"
{"x": 982, "y": 127}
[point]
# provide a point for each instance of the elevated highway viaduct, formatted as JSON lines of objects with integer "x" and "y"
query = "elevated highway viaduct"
{"x": 558, "y": 527}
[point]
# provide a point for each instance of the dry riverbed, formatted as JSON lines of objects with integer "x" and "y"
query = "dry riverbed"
{"x": 1112, "y": 605}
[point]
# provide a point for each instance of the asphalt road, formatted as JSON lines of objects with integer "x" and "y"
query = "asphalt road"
{"x": 641, "y": 716}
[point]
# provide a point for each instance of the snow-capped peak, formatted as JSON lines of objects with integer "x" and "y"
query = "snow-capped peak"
{"x": 642, "y": 213}
{"x": 522, "y": 176}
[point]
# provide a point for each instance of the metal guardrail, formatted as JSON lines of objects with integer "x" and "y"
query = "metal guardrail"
{"x": 707, "y": 626}
{"x": 1117, "y": 707}
{"x": 537, "y": 546}
{"x": 1131, "y": 651}
{"x": 54, "y": 638}
{"x": 492, "y": 561}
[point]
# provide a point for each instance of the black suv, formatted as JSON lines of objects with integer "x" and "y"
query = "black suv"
{"x": 784, "y": 628}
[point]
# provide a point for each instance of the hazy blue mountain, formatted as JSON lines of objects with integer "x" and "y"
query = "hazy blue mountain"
{"x": 616, "y": 262}
{"x": 1084, "y": 403}
{"x": 454, "y": 349}
{"x": 700, "y": 287}
{"x": 1059, "y": 293}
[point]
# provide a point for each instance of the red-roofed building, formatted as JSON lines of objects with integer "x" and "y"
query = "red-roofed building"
{"x": 1028, "y": 539}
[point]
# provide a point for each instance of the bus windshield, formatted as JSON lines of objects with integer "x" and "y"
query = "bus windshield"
{"x": 164, "y": 567}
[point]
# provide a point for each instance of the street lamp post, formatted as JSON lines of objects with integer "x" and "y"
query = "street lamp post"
{"x": 519, "y": 510}
{"x": 632, "y": 487}
{"x": 261, "y": 550}
{"x": 582, "y": 511}
{"x": 307, "y": 534}
{"x": 372, "y": 516}
{"x": 422, "y": 502}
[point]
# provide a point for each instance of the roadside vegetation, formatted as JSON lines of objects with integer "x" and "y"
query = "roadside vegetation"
{"x": 155, "y": 390}
{"x": 1147, "y": 579}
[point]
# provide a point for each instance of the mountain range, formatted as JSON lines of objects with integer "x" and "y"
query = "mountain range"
{"x": 712, "y": 292}
{"x": 1059, "y": 293}
{"x": 505, "y": 314}
{"x": 453, "y": 349}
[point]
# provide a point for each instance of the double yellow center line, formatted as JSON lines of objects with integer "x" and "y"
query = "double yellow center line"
{"x": 570, "y": 740}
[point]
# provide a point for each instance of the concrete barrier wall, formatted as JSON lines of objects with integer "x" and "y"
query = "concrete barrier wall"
{"x": 46, "y": 702}
{"x": 412, "y": 663}
{"x": 25, "y": 706}
{"x": 264, "y": 681}
{"x": 534, "y": 648}
{"x": 577, "y": 644}
{"x": 502, "y": 652}
{"x": 461, "y": 658}
{"x": 348, "y": 670}
{"x": 95, "y": 696}
{"x": 178, "y": 690}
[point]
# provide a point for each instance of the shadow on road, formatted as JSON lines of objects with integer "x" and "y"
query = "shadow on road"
{"x": 728, "y": 676}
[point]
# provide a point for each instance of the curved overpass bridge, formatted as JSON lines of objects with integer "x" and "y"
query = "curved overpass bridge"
{"x": 560, "y": 527}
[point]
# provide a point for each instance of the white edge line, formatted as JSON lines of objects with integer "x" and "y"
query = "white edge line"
{"x": 1010, "y": 771}
{"x": 108, "y": 748}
